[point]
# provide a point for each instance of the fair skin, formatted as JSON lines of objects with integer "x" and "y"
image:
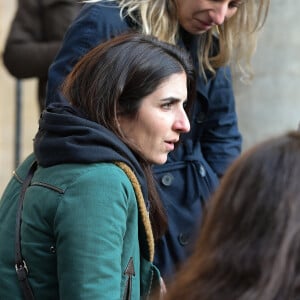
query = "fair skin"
{"x": 198, "y": 16}
{"x": 160, "y": 120}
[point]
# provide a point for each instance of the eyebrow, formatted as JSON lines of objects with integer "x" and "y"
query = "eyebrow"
{"x": 173, "y": 99}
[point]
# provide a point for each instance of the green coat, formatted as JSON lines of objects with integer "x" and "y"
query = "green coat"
{"x": 79, "y": 233}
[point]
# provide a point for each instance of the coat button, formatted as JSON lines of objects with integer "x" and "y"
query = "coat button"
{"x": 52, "y": 249}
{"x": 202, "y": 171}
{"x": 183, "y": 239}
{"x": 167, "y": 179}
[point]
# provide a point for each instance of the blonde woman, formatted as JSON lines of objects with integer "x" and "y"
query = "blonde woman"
{"x": 216, "y": 34}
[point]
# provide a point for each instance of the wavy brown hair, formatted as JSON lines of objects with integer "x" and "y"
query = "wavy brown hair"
{"x": 249, "y": 244}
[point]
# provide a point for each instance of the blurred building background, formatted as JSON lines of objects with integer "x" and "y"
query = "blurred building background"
{"x": 269, "y": 106}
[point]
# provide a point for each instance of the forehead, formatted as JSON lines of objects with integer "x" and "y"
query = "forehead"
{"x": 174, "y": 86}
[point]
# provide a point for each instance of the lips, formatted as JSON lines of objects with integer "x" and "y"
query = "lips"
{"x": 204, "y": 25}
{"x": 171, "y": 144}
{"x": 173, "y": 141}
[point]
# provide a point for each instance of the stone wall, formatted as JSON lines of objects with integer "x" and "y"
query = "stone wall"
{"x": 271, "y": 104}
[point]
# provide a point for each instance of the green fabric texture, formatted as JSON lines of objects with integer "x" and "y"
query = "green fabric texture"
{"x": 79, "y": 231}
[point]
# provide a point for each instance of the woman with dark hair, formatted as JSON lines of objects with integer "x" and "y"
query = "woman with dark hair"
{"x": 249, "y": 243}
{"x": 217, "y": 34}
{"x": 86, "y": 221}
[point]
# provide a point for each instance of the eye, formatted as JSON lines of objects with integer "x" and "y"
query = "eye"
{"x": 235, "y": 4}
{"x": 167, "y": 104}
{"x": 172, "y": 103}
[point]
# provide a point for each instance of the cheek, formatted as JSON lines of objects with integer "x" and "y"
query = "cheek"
{"x": 143, "y": 133}
{"x": 183, "y": 12}
{"x": 151, "y": 132}
{"x": 231, "y": 13}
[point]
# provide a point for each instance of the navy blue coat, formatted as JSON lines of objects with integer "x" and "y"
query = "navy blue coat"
{"x": 191, "y": 173}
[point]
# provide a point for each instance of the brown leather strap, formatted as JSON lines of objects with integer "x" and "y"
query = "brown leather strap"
{"x": 20, "y": 265}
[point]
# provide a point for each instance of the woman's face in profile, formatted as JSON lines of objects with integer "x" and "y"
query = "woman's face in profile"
{"x": 160, "y": 119}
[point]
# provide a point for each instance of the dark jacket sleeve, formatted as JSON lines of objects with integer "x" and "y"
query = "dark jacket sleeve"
{"x": 221, "y": 139}
{"x": 96, "y": 23}
{"x": 35, "y": 36}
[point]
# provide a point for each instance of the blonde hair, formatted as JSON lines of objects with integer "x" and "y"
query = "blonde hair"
{"x": 237, "y": 36}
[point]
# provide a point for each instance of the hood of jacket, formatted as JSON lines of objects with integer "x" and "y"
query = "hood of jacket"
{"x": 66, "y": 136}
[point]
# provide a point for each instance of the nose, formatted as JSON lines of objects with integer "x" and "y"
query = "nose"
{"x": 219, "y": 13}
{"x": 182, "y": 123}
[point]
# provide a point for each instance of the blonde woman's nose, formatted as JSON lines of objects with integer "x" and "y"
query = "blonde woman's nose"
{"x": 219, "y": 13}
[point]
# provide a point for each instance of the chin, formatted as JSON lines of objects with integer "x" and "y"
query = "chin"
{"x": 159, "y": 161}
{"x": 163, "y": 161}
{"x": 198, "y": 32}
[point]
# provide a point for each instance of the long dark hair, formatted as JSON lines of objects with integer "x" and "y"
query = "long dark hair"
{"x": 114, "y": 77}
{"x": 249, "y": 244}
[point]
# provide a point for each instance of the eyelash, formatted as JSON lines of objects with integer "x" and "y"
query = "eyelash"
{"x": 167, "y": 105}
{"x": 235, "y": 4}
